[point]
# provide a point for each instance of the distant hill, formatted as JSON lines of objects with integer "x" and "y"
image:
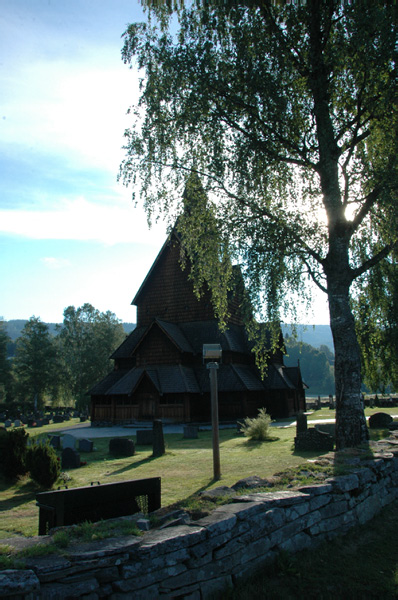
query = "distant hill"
{"x": 314, "y": 335}
{"x": 14, "y": 327}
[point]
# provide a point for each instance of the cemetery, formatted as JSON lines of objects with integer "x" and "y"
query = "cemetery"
{"x": 200, "y": 557}
{"x": 309, "y": 511}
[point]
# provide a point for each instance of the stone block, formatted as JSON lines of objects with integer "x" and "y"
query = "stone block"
{"x": 70, "y": 459}
{"x": 313, "y": 439}
{"x": 190, "y": 432}
{"x": 68, "y": 441}
{"x": 86, "y": 445}
{"x": 15, "y": 583}
{"x": 121, "y": 447}
{"x": 55, "y": 441}
{"x": 144, "y": 437}
{"x": 380, "y": 420}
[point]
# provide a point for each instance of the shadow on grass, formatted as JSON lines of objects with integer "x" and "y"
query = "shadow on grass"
{"x": 254, "y": 444}
{"x": 134, "y": 465}
{"x": 16, "y": 501}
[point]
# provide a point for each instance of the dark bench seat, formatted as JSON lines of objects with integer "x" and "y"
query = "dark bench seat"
{"x": 96, "y": 502}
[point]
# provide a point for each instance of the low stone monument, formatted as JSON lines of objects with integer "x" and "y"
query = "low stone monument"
{"x": 70, "y": 458}
{"x": 55, "y": 441}
{"x": 68, "y": 441}
{"x": 313, "y": 439}
{"x": 86, "y": 445}
{"x": 190, "y": 432}
{"x": 121, "y": 447}
{"x": 380, "y": 420}
{"x": 144, "y": 437}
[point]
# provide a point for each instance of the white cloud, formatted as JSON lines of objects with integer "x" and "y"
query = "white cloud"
{"x": 80, "y": 219}
{"x": 55, "y": 263}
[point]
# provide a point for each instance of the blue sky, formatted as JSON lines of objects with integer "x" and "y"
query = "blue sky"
{"x": 69, "y": 233}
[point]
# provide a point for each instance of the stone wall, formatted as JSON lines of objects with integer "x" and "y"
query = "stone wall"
{"x": 195, "y": 560}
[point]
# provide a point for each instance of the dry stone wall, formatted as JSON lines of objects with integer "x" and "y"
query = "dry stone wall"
{"x": 200, "y": 559}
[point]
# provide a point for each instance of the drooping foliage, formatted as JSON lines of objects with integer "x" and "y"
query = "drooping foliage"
{"x": 288, "y": 115}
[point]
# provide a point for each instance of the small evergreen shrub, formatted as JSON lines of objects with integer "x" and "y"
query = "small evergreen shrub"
{"x": 43, "y": 464}
{"x": 13, "y": 448}
{"x": 257, "y": 428}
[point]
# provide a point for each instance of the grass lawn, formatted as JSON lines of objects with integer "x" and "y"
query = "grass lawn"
{"x": 185, "y": 469}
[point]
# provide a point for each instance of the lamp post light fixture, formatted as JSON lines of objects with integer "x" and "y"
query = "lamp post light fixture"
{"x": 212, "y": 356}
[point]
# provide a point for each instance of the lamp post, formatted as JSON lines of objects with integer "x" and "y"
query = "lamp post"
{"x": 212, "y": 353}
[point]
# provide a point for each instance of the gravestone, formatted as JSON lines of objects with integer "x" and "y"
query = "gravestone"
{"x": 70, "y": 458}
{"x": 17, "y": 423}
{"x": 58, "y": 419}
{"x": 39, "y": 423}
{"x": 121, "y": 447}
{"x": 190, "y": 432}
{"x": 45, "y": 421}
{"x": 301, "y": 423}
{"x": 86, "y": 445}
{"x": 7, "y": 423}
{"x": 380, "y": 420}
{"x": 68, "y": 441}
{"x": 55, "y": 441}
{"x": 158, "y": 439}
{"x": 329, "y": 428}
{"x": 144, "y": 437}
{"x": 313, "y": 439}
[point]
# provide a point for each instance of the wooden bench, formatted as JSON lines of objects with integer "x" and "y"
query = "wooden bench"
{"x": 96, "y": 502}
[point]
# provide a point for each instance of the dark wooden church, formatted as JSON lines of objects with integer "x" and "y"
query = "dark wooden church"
{"x": 159, "y": 371}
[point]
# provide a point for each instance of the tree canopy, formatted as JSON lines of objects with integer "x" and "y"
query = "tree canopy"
{"x": 288, "y": 115}
{"x": 35, "y": 364}
{"x": 87, "y": 338}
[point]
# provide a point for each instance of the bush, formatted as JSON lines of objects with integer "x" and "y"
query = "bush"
{"x": 43, "y": 464}
{"x": 258, "y": 427}
{"x": 13, "y": 446}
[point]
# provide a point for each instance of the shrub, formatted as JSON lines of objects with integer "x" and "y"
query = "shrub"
{"x": 43, "y": 464}
{"x": 13, "y": 453}
{"x": 257, "y": 428}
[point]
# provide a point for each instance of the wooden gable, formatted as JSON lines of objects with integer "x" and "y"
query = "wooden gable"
{"x": 168, "y": 294}
{"x": 157, "y": 348}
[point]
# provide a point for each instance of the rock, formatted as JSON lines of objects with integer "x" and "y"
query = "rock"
{"x": 252, "y": 482}
{"x": 215, "y": 493}
{"x": 15, "y": 583}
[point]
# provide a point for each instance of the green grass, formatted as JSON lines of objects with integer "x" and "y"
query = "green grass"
{"x": 185, "y": 469}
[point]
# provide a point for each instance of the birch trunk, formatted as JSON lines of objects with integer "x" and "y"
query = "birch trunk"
{"x": 351, "y": 428}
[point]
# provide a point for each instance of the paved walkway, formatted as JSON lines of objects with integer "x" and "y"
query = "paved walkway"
{"x": 82, "y": 430}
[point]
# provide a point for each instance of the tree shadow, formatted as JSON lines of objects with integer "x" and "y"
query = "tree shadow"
{"x": 251, "y": 445}
{"x": 134, "y": 465}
